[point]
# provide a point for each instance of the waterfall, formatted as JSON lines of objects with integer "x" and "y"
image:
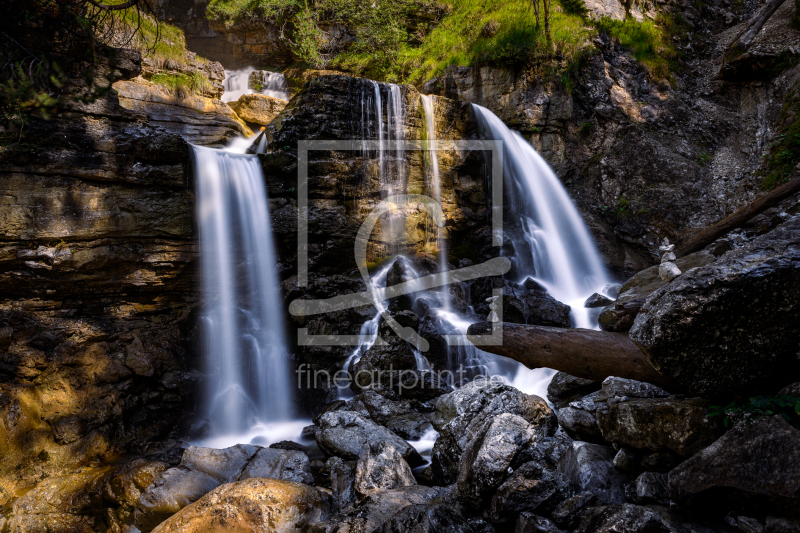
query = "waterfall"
{"x": 242, "y": 326}
{"x": 428, "y": 106}
{"x": 554, "y": 247}
{"x": 237, "y": 83}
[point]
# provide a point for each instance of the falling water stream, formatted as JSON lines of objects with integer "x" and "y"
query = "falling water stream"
{"x": 237, "y": 83}
{"x": 249, "y": 397}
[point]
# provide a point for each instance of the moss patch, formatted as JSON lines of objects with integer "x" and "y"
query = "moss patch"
{"x": 784, "y": 152}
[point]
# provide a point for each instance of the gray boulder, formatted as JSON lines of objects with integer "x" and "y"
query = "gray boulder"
{"x": 730, "y": 327}
{"x": 275, "y": 463}
{"x": 408, "y": 419}
{"x": 613, "y": 387}
{"x": 462, "y": 414}
{"x": 344, "y": 434}
{"x": 568, "y": 512}
{"x": 487, "y": 457}
{"x": 381, "y": 467}
{"x": 343, "y": 484}
{"x": 531, "y": 523}
{"x": 590, "y": 468}
{"x": 580, "y": 424}
{"x": 660, "y": 424}
{"x": 530, "y": 488}
{"x": 427, "y": 518}
{"x": 564, "y": 388}
{"x": 649, "y": 487}
{"x": 753, "y": 469}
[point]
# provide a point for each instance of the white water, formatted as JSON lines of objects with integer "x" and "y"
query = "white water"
{"x": 237, "y": 83}
{"x": 428, "y": 106}
{"x": 555, "y": 249}
{"x": 243, "y": 346}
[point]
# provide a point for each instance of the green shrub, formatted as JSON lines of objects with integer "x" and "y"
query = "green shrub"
{"x": 743, "y": 412}
{"x": 649, "y": 42}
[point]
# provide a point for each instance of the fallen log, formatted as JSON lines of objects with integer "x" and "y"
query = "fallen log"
{"x": 744, "y": 38}
{"x": 583, "y": 353}
{"x": 733, "y": 221}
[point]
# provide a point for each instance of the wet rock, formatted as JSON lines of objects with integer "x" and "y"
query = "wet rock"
{"x": 580, "y": 424}
{"x": 613, "y": 386}
{"x": 620, "y": 315}
{"x": 381, "y": 467}
{"x": 564, "y": 389}
{"x": 421, "y": 518}
{"x": 422, "y": 385}
{"x": 523, "y": 305}
{"x": 378, "y": 507}
{"x": 545, "y": 450}
{"x": 461, "y": 415}
{"x": 530, "y": 488}
{"x": 343, "y": 480}
{"x": 531, "y": 523}
{"x": 344, "y": 434}
{"x": 590, "y": 468}
{"x": 276, "y": 463}
{"x": 568, "y": 512}
{"x": 625, "y": 518}
{"x": 729, "y": 327}
{"x": 597, "y": 300}
{"x": 258, "y": 108}
{"x": 781, "y": 525}
{"x": 627, "y": 460}
{"x": 407, "y": 418}
{"x": 649, "y": 487}
{"x": 488, "y": 455}
{"x": 252, "y": 505}
{"x": 678, "y": 426}
{"x": 755, "y": 468}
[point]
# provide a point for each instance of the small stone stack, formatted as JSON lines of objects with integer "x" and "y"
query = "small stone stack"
{"x": 668, "y": 270}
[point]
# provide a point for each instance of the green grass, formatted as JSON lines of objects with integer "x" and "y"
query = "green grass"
{"x": 182, "y": 84}
{"x": 649, "y": 42}
{"x": 784, "y": 152}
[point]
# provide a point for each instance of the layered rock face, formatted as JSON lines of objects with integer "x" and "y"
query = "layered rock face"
{"x": 97, "y": 261}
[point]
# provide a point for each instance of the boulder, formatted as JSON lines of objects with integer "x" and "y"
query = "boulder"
{"x": 750, "y": 469}
{"x": 460, "y": 416}
{"x": 730, "y": 327}
{"x": 590, "y": 468}
{"x": 597, "y": 300}
{"x": 580, "y": 424}
{"x": 488, "y": 455}
{"x": 546, "y": 451}
{"x": 71, "y": 502}
{"x": 343, "y": 480}
{"x": 625, "y": 518}
{"x": 620, "y": 315}
{"x": 279, "y": 463}
{"x": 423, "y": 518}
{"x": 564, "y": 389}
{"x": 649, "y": 487}
{"x": 204, "y": 469}
{"x": 258, "y": 108}
{"x": 660, "y": 424}
{"x": 378, "y": 507}
{"x": 568, "y": 512}
{"x": 531, "y": 523}
{"x": 530, "y": 488}
{"x": 254, "y": 505}
{"x": 407, "y": 418}
{"x": 381, "y": 467}
{"x": 523, "y": 305}
{"x": 344, "y": 434}
{"x": 619, "y": 387}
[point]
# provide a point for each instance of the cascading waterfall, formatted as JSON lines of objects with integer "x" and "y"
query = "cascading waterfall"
{"x": 237, "y": 83}
{"x": 555, "y": 248}
{"x": 242, "y": 325}
{"x": 428, "y": 106}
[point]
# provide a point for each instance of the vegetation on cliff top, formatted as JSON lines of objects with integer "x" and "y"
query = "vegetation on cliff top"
{"x": 413, "y": 41}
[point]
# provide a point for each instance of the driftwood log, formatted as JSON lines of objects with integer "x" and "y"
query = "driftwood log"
{"x": 744, "y": 38}
{"x": 733, "y": 221}
{"x": 583, "y": 353}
